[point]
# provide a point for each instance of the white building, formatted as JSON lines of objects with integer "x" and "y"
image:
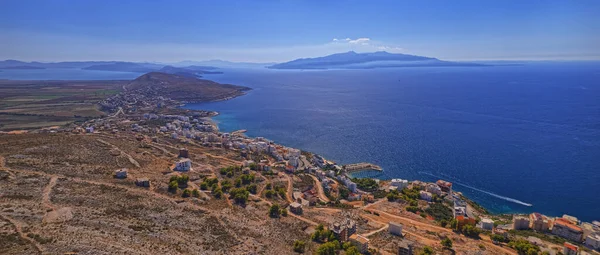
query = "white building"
{"x": 395, "y": 228}
{"x": 401, "y": 184}
{"x": 486, "y": 224}
{"x": 593, "y": 240}
{"x": 183, "y": 165}
{"x": 433, "y": 189}
{"x": 424, "y": 195}
{"x": 520, "y": 222}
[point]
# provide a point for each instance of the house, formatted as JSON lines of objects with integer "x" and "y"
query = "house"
{"x": 486, "y": 224}
{"x": 399, "y": 183}
{"x": 570, "y": 218}
{"x": 444, "y": 185}
{"x": 121, "y": 173}
{"x": 183, "y": 153}
{"x": 593, "y": 241}
{"x": 361, "y": 242}
{"x": 296, "y": 208}
{"x": 142, "y": 182}
{"x": 395, "y": 228}
{"x": 342, "y": 230}
{"x": 424, "y": 195}
{"x": 405, "y": 248}
{"x": 566, "y": 229}
{"x": 183, "y": 165}
{"x": 539, "y": 222}
{"x": 433, "y": 189}
{"x": 520, "y": 222}
{"x": 570, "y": 249}
{"x": 297, "y": 195}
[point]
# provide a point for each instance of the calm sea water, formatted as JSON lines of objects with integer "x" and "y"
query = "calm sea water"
{"x": 507, "y": 136}
{"x": 512, "y": 138}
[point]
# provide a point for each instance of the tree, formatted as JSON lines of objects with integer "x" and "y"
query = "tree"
{"x": 284, "y": 212}
{"x": 186, "y": 193}
{"x": 453, "y": 224}
{"x": 274, "y": 211}
{"x": 269, "y": 186}
{"x": 218, "y": 193}
{"x": 240, "y": 195}
{"x": 352, "y": 251}
{"x": 183, "y": 180}
{"x": 251, "y": 188}
{"x": 173, "y": 186}
{"x": 269, "y": 193}
{"x": 195, "y": 193}
{"x": 203, "y": 186}
{"x": 326, "y": 249}
{"x": 426, "y": 251}
{"x": 447, "y": 243}
{"x": 470, "y": 231}
{"x": 299, "y": 246}
{"x": 226, "y": 185}
{"x": 524, "y": 247}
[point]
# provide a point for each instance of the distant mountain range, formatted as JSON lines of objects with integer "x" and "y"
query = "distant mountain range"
{"x": 353, "y": 60}
{"x": 223, "y": 64}
{"x": 118, "y": 66}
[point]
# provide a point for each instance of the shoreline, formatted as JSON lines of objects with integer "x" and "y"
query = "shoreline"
{"x": 353, "y": 174}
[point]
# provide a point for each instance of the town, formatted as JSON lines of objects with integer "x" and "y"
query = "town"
{"x": 180, "y": 155}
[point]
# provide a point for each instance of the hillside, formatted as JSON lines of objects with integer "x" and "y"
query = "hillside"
{"x": 184, "y": 88}
{"x": 353, "y": 60}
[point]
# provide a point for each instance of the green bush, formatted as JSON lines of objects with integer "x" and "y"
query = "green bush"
{"x": 447, "y": 243}
{"x": 173, "y": 186}
{"x": 274, "y": 211}
{"x": 186, "y": 193}
{"x": 299, "y": 246}
{"x": 195, "y": 193}
{"x": 251, "y": 188}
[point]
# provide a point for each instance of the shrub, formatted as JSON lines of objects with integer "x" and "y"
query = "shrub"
{"x": 299, "y": 246}
{"x": 226, "y": 185}
{"x": 186, "y": 193}
{"x": 204, "y": 186}
{"x": 274, "y": 211}
{"x": 447, "y": 243}
{"x": 284, "y": 212}
{"x": 269, "y": 193}
{"x": 240, "y": 195}
{"x": 251, "y": 188}
{"x": 426, "y": 251}
{"x": 195, "y": 193}
{"x": 218, "y": 193}
{"x": 173, "y": 186}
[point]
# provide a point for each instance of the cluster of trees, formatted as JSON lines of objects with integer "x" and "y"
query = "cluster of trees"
{"x": 366, "y": 184}
{"x": 178, "y": 181}
{"x": 278, "y": 190}
{"x": 209, "y": 183}
{"x": 440, "y": 212}
{"x": 468, "y": 229}
{"x": 239, "y": 195}
{"x": 193, "y": 193}
{"x": 499, "y": 238}
{"x": 230, "y": 170}
{"x": 275, "y": 211}
{"x": 524, "y": 247}
{"x": 321, "y": 235}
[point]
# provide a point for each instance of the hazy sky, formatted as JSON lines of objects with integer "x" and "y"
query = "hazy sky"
{"x": 264, "y": 31}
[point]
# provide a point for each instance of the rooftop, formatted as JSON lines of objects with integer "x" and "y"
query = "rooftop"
{"x": 359, "y": 238}
{"x": 570, "y": 246}
{"x": 568, "y": 224}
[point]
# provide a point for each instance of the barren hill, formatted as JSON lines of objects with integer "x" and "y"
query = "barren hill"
{"x": 184, "y": 88}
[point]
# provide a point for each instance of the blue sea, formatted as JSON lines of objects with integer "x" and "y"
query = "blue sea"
{"x": 512, "y": 138}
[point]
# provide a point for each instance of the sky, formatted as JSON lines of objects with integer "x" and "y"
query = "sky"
{"x": 278, "y": 31}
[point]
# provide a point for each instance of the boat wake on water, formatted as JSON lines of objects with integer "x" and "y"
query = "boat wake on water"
{"x": 480, "y": 190}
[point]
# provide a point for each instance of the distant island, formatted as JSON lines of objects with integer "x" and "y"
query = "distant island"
{"x": 353, "y": 60}
{"x": 22, "y": 67}
{"x": 114, "y": 66}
